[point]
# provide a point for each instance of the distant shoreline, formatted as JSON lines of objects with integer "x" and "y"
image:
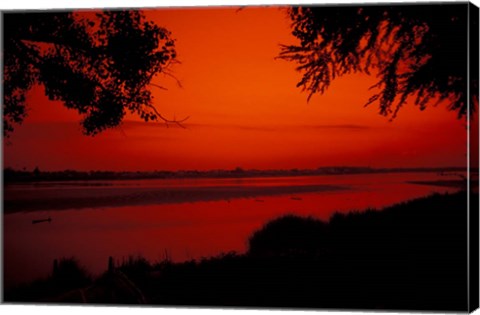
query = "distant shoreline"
{"x": 18, "y": 176}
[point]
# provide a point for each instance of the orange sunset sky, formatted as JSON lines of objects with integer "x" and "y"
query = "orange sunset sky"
{"x": 245, "y": 110}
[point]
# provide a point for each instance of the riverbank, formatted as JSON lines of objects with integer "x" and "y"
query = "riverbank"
{"x": 75, "y": 198}
{"x": 410, "y": 256}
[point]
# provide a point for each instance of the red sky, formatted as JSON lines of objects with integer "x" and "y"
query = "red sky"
{"x": 244, "y": 111}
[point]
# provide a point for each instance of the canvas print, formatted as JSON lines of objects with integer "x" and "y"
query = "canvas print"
{"x": 292, "y": 157}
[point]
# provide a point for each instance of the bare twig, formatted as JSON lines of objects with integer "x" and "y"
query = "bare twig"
{"x": 169, "y": 121}
{"x": 173, "y": 77}
{"x": 159, "y": 86}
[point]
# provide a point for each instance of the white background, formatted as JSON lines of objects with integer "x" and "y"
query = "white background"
{"x": 77, "y": 310}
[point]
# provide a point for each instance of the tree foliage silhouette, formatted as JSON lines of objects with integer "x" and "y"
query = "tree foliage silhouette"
{"x": 100, "y": 64}
{"x": 418, "y": 51}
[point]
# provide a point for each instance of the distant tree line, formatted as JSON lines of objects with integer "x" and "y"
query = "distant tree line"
{"x": 13, "y": 175}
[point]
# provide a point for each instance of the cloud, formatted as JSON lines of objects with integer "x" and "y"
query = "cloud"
{"x": 130, "y": 124}
{"x": 349, "y": 127}
{"x": 283, "y": 127}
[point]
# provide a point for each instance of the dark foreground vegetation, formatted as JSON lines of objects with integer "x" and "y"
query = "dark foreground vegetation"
{"x": 411, "y": 256}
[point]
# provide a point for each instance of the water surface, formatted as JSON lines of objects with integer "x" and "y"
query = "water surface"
{"x": 179, "y": 218}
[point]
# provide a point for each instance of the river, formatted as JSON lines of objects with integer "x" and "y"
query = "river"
{"x": 179, "y": 218}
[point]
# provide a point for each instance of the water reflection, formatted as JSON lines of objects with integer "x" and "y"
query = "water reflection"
{"x": 182, "y": 230}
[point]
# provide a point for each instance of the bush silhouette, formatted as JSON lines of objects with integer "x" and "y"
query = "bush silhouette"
{"x": 288, "y": 235}
{"x": 410, "y": 256}
{"x": 69, "y": 274}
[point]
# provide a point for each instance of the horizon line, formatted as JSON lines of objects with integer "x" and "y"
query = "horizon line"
{"x": 239, "y": 168}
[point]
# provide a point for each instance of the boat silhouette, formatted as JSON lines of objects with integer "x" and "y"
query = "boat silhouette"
{"x": 42, "y": 220}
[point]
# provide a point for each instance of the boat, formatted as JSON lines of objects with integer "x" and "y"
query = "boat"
{"x": 42, "y": 220}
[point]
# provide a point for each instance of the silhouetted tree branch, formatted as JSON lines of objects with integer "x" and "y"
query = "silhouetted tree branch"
{"x": 168, "y": 121}
{"x": 100, "y": 64}
{"x": 417, "y": 51}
